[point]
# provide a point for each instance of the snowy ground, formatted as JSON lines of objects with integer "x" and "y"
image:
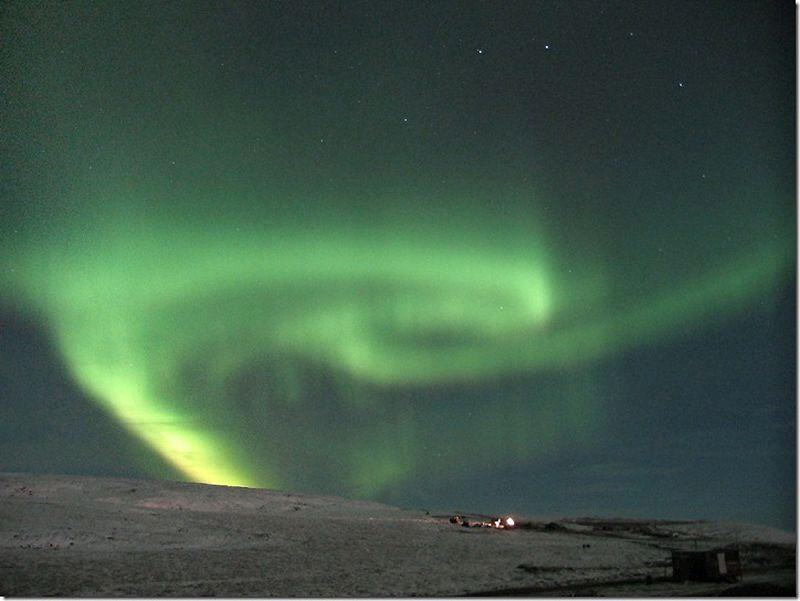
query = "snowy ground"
{"x": 79, "y": 536}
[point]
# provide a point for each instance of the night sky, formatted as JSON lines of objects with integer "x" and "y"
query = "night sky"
{"x": 531, "y": 257}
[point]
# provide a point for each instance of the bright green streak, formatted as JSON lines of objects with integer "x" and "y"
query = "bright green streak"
{"x": 137, "y": 303}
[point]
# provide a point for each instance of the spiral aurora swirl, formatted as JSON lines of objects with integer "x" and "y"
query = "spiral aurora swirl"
{"x": 207, "y": 339}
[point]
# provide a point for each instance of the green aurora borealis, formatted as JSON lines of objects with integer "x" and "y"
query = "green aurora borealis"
{"x": 263, "y": 311}
{"x": 130, "y": 301}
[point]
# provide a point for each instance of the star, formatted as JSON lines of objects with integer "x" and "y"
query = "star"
{"x": 479, "y": 50}
{"x": 547, "y": 46}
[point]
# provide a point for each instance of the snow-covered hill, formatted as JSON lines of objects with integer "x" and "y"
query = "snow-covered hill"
{"x": 75, "y": 536}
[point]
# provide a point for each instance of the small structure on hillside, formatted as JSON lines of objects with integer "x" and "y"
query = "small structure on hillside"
{"x": 706, "y": 566}
{"x": 502, "y": 523}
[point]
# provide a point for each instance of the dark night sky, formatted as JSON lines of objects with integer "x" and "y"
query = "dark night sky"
{"x": 535, "y": 257}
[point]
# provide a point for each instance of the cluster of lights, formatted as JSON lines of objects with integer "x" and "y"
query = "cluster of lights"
{"x": 505, "y": 523}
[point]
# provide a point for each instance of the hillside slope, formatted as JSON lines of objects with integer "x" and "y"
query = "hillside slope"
{"x": 81, "y": 536}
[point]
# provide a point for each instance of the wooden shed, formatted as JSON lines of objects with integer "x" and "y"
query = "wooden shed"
{"x": 708, "y": 565}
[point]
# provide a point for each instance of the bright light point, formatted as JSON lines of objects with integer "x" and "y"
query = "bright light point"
{"x": 547, "y": 46}
{"x": 480, "y": 51}
{"x": 509, "y": 521}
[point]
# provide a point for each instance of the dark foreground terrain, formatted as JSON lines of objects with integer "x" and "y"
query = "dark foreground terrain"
{"x": 79, "y": 536}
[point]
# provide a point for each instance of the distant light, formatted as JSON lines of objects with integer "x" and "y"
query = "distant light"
{"x": 547, "y": 46}
{"x": 509, "y": 521}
